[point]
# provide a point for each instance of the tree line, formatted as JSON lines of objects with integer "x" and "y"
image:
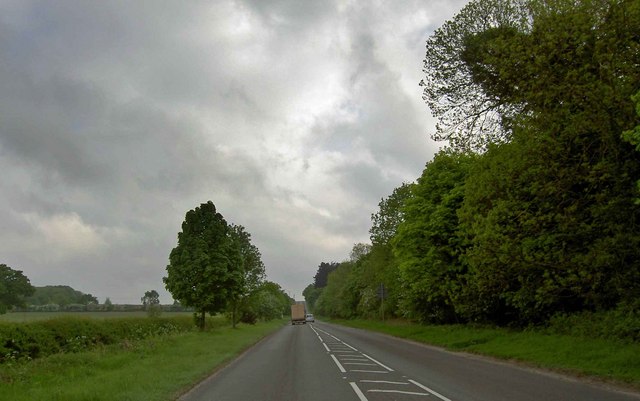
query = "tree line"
{"x": 533, "y": 208}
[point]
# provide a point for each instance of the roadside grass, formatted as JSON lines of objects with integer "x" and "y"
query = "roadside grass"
{"x": 159, "y": 368}
{"x": 608, "y": 360}
{"x": 23, "y": 317}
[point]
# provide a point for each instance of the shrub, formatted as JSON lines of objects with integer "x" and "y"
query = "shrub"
{"x": 618, "y": 324}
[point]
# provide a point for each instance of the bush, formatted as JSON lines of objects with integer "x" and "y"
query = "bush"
{"x": 38, "y": 339}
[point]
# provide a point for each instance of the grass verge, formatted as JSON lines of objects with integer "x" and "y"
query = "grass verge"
{"x": 608, "y": 360}
{"x": 153, "y": 369}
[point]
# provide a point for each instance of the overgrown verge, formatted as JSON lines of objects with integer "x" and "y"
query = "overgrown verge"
{"x": 605, "y": 359}
{"x": 38, "y": 339}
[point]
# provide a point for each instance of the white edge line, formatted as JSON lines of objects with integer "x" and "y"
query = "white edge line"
{"x": 422, "y": 386}
{"x": 349, "y": 346}
{"x": 358, "y": 392}
{"x": 381, "y": 364}
{"x": 338, "y": 363}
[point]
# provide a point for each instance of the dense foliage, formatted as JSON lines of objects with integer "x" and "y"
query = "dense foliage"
{"x": 14, "y": 287}
{"x": 60, "y": 295}
{"x": 542, "y": 220}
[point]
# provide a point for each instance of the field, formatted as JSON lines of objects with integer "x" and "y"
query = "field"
{"x": 35, "y": 316}
{"x": 159, "y": 367}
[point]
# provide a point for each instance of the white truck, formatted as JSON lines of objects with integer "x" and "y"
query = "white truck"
{"x": 298, "y": 314}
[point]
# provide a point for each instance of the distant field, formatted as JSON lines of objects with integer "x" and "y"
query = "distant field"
{"x": 33, "y": 316}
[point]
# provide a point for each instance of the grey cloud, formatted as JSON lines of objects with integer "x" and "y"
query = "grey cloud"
{"x": 128, "y": 114}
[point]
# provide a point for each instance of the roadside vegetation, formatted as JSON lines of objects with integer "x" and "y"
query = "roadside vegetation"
{"x": 531, "y": 214}
{"x": 150, "y": 363}
{"x": 521, "y": 238}
{"x": 578, "y": 355}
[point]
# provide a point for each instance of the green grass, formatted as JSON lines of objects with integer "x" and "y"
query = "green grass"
{"x": 22, "y": 317}
{"x": 154, "y": 369}
{"x": 608, "y": 360}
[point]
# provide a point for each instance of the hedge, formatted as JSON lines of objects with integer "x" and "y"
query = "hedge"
{"x": 41, "y": 338}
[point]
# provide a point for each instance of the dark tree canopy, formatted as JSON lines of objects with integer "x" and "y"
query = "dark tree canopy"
{"x": 14, "y": 287}
{"x": 321, "y": 277}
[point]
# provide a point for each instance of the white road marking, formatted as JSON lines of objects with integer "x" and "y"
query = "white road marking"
{"x": 379, "y": 363}
{"x": 383, "y": 381}
{"x": 369, "y": 371}
{"x": 442, "y": 397}
{"x": 342, "y": 369}
{"x": 396, "y": 391}
{"x": 358, "y": 392}
{"x": 360, "y": 363}
{"x": 327, "y": 348}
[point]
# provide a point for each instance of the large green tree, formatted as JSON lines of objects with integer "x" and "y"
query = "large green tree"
{"x": 204, "y": 268}
{"x": 14, "y": 287}
{"x": 248, "y": 275}
{"x": 427, "y": 245}
{"x": 550, "y": 214}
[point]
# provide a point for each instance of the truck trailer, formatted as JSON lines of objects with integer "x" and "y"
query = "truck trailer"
{"x": 298, "y": 314}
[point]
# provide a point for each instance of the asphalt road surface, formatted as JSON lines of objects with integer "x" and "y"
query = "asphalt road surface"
{"x": 320, "y": 362}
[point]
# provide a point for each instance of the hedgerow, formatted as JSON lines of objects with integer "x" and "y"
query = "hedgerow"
{"x": 65, "y": 335}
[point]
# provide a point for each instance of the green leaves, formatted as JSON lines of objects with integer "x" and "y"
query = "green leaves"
{"x": 14, "y": 287}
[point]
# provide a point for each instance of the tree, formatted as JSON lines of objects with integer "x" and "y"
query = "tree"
{"x": 633, "y": 137}
{"x": 471, "y": 115}
{"x": 311, "y": 294}
{"x": 203, "y": 270}
{"x": 249, "y": 272}
{"x": 60, "y": 295}
{"x": 385, "y": 222}
{"x": 14, "y": 286}
{"x": 427, "y": 245}
{"x": 151, "y": 303}
{"x": 320, "y": 279}
{"x": 108, "y": 305}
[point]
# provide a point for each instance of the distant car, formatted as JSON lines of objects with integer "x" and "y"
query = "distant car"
{"x": 309, "y": 318}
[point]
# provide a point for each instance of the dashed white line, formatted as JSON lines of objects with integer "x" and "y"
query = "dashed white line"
{"x": 442, "y": 397}
{"x": 327, "y": 348}
{"x": 384, "y": 381}
{"x": 358, "y": 392}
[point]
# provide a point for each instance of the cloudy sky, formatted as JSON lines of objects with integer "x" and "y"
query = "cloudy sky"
{"x": 116, "y": 117}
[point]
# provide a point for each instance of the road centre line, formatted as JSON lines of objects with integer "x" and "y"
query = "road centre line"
{"x": 342, "y": 369}
{"x": 358, "y": 392}
{"x": 355, "y": 387}
{"x": 422, "y": 386}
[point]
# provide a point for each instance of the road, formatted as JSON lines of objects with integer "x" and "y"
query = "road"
{"x": 320, "y": 362}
